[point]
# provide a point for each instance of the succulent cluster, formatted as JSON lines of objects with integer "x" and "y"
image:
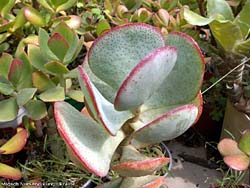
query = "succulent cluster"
{"x": 236, "y": 155}
{"x": 139, "y": 88}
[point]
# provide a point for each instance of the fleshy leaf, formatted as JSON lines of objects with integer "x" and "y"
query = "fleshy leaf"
{"x": 112, "y": 184}
{"x": 145, "y": 78}
{"x": 102, "y": 110}
{"x": 5, "y": 62}
{"x": 41, "y": 81}
{"x": 34, "y": 17}
{"x": 196, "y": 19}
{"x": 143, "y": 182}
{"x": 15, "y": 71}
{"x": 24, "y": 95}
{"x": 226, "y": 33}
{"x": 8, "y": 110}
{"x": 134, "y": 164}
{"x": 168, "y": 126}
{"x": 242, "y": 47}
{"x": 6, "y": 87}
{"x": 76, "y": 95}
{"x": 228, "y": 146}
{"x": 36, "y": 109}
{"x": 66, "y": 5}
{"x": 53, "y": 94}
{"x": 244, "y": 143}
{"x": 189, "y": 67}
{"x": 9, "y": 172}
{"x": 45, "y": 50}
{"x": 58, "y": 45}
{"x": 16, "y": 143}
{"x": 219, "y": 7}
{"x": 81, "y": 133}
{"x": 237, "y": 162}
{"x": 107, "y": 91}
{"x": 119, "y": 50}
{"x": 242, "y": 20}
{"x": 56, "y": 67}
{"x": 36, "y": 58}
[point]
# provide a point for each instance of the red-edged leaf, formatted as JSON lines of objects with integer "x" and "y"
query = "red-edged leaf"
{"x": 58, "y": 45}
{"x": 228, "y": 146}
{"x": 16, "y": 143}
{"x": 156, "y": 183}
{"x": 89, "y": 142}
{"x": 102, "y": 110}
{"x": 145, "y": 78}
{"x": 237, "y": 162}
{"x": 168, "y": 126}
{"x": 184, "y": 82}
{"x": 140, "y": 168}
{"x": 114, "y": 54}
{"x": 15, "y": 71}
{"x": 9, "y": 172}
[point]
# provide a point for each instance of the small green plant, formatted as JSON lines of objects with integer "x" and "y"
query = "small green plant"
{"x": 237, "y": 157}
{"x": 129, "y": 80}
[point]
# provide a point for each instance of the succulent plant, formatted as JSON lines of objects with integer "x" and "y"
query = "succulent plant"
{"x": 14, "y": 145}
{"x": 232, "y": 37}
{"x": 236, "y": 155}
{"x": 139, "y": 89}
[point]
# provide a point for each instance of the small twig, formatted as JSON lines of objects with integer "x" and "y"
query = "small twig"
{"x": 235, "y": 68}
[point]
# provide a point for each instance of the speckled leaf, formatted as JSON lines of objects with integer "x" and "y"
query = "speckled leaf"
{"x": 107, "y": 91}
{"x": 243, "y": 21}
{"x": 237, "y": 162}
{"x": 8, "y": 110}
{"x": 10, "y": 172}
{"x": 16, "y": 143}
{"x": 5, "y": 62}
{"x": 168, "y": 126}
{"x": 41, "y": 81}
{"x": 24, "y": 95}
{"x": 244, "y": 143}
{"x": 189, "y": 67}
{"x": 119, "y": 50}
{"x": 81, "y": 133}
{"x": 228, "y": 146}
{"x": 36, "y": 109}
{"x": 102, "y": 110}
{"x": 143, "y": 182}
{"x": 58, "y": 45}
{"x": 219, "y": 7}
{"x": 134, "y": 164}
{"x": 145, "y": 78}
{"x": 53, "y": 94}
{"x": 56, "y": 67}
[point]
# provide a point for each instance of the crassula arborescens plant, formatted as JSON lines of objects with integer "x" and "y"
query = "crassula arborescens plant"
{"x": 140, "y": 89}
